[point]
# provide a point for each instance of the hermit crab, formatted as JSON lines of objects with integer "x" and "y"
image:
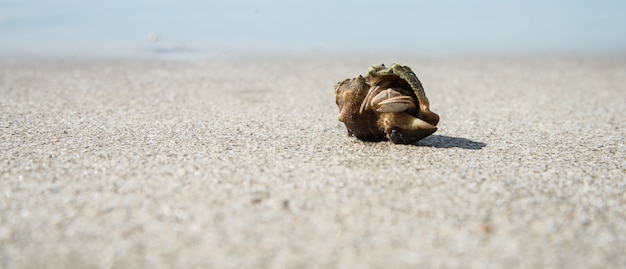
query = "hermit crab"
{"x": 389, "y": 102}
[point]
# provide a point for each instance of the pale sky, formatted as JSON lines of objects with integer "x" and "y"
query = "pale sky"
{"x": 414, "y": 27}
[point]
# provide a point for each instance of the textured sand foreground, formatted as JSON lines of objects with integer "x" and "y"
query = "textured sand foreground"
{"x": 242, "y": 164}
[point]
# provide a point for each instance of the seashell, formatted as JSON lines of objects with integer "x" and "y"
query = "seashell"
{"x": 387, "y": 103}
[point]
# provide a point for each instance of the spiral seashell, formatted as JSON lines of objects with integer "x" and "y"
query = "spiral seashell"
{"x": 387, "y": 103}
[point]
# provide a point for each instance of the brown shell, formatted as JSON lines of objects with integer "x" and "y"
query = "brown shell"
{"x": 405, "y": 127}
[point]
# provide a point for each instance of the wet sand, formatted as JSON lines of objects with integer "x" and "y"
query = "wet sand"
{"x": 241, "y": 163}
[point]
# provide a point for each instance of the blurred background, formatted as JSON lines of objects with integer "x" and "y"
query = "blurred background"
{"x": 436, "y": 27}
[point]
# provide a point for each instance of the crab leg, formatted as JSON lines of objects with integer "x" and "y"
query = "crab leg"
{"x": 391, "y": 100}
{"x": 396, "y": 104}
{"x": 366, "y": 102}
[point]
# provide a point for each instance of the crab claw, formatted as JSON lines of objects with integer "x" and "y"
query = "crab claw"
{"x": 404, "y": 128}
{"x": 408, "y": 122}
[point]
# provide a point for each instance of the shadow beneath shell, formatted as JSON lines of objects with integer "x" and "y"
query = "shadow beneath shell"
{"x": 442, "y": 141}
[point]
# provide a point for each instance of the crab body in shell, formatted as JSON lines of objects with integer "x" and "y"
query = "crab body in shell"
{"x": 386, "y": 103}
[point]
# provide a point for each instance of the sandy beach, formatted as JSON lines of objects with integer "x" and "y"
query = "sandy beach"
{"x": 241, "y": 163}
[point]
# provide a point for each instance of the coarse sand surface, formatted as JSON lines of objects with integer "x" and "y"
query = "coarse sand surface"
{"x": 241, "y": 163}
